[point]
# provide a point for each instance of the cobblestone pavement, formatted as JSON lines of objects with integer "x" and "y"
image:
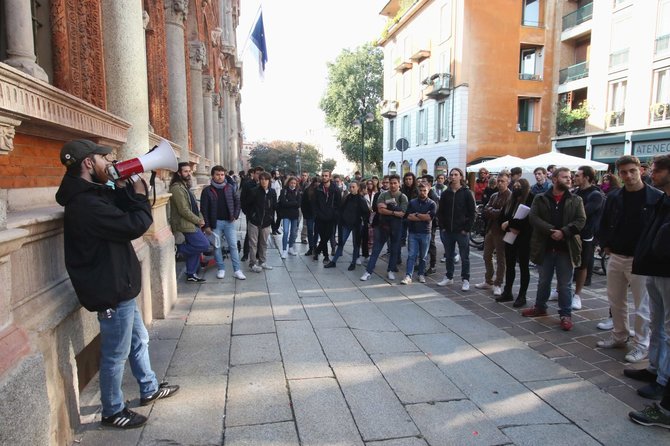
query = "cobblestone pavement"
{"x": 301, "y": 355}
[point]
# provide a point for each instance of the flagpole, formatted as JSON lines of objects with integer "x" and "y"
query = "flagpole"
{"x": 251, "y": 30}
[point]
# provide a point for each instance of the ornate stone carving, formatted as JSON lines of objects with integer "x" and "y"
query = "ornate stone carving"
{"x": 216, "y": 36}
{"x": 157, "y": 70}
{"x": 216, "y": 100}
{"x": 178, "y": 9}
{"x": 207, "y": 84}
{"x": 145, "y": 19}
{"x": 197, "y": 55}
{"x": 7, "y": 133}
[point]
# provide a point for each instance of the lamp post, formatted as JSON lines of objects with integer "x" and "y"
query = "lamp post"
{"x": 360, "y": 122}
{"x": 298, "y": 159}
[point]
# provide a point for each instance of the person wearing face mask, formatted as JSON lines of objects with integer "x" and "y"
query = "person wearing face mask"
{"x": 353, "y": 211}
{"x": 290, "y": 199}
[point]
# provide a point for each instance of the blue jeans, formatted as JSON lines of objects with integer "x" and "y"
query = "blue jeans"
{"x": 196, "y": 243}
{"x": 449, "y": 240}
{"x": 344, "y": 233}
{"x": 123, "y": 336}
{"x": 559, "y": 261}
{"x": 417, "y": 246}
{"x": 390, "y": 233}
{"x": 311, "y": 236}
{"x": 227, "y": 229}
{"x": 659, "y": 342}
{"x": 288, "y": 240}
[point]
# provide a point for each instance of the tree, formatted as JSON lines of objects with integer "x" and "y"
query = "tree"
{"x": 282, "y": 155}
{"x": 355, "y": 87}
{"x": 328, "y": 164}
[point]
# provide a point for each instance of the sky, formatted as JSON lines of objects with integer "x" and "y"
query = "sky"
{"x": 302, "y": 36}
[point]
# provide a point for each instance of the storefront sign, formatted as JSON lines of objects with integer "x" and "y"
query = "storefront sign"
{"x": 645, "y": 149}
{"x": 608, "y": 151}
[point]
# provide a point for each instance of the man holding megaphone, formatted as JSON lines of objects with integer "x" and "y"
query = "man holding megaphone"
{"x": 98, "y": 226}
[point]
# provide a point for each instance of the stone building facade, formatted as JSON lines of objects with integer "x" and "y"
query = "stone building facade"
{"x": 123, "y": 73}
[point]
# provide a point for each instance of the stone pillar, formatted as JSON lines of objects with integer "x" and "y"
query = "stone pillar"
{"x": 197, "y": 56}
{"x": 207, "y": 89}
{"x": 222, "y": 138}
{"x": 235, "y": 126}
{"x": 126, "y": 71}
{"x": 175, "y": 16}
{"x": 215, "y": 130}
{"x": 20, "y": 40}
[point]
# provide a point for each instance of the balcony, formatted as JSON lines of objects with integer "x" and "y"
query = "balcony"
{"x": 619, "y": 59}
{"x": 662, "y": 44}
{"x": 438, "y": 86}
{"x": 573, "y": 73}
{"x": 389, "y": 109}
{"x": 420, "y": 55}
{"x": 402, "y": 65}
{"x": 578, "y": 17}
{"x": 659, "y": 112}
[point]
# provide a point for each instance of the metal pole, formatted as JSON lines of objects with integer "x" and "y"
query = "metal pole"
{"x": 363, "y": 147}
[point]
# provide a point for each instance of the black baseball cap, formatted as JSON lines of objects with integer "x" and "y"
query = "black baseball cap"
{"x": 77, "y": 150}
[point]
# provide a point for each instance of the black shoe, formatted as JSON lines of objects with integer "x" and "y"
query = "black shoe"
{"x": 194, "y": 279}
{"x": 304, "y": 242}
{"x": 329, "y": 265}
{"x": 399, "y": 262}
{"x": 126, "y": 419}
{"x": 652, "y": 391}
{"x": 164, "y": 391}
{"x": 519, "y": 302}
{"x": 309, "y": 252}
{"x": 351, "y": 267}
{"x": 505, "y": 297}
{"x": 643, "y": 375}
{"x": 430, "y": 271}
{"x": 244, "y": 258}
{"x": 326, "y": 260}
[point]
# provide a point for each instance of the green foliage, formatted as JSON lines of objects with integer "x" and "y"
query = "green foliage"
{"x": 571, "y": 120}
{"x": 355, "y": 86}
{"x": 328, "y": 164}
{"x": 281, "y": 155}
{"x": 404, "y": 7}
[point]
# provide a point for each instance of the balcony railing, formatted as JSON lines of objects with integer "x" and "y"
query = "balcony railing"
{"x": 660, "y": 112}
{"x": 619, "y": 58}
{"x": 389, "y": 108}
{"x": 579, "y": 16}
{"x": 530, "y": 77}
{"x": 615, "y": 118}
{"x": 574, "y": 72}
{"x": 439, "y": 85}
{"x": 662, "y": 44}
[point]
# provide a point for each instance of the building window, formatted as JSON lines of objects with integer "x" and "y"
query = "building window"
{"x": 407, "y": 83}
{"x": 445, "y": 21}
{"x": 530, "y": 64}
{"x": 660, "y": 108}
{"x": 404, "y": 130}
{"x": 392, "y": 168}
{"x": 423, "y": 74}
{"x": 391, "y": 145}
{"x": 616, "y": 104}
{"x": 421, "y": 127}
{"x": 529, "y": 113}
{"x": 620, "y": 41}
{"x": 441, "y": 122}
{"x": 662, "y": 44}
{"x": 618, "y": 3}
{"x": 531, "y": 13}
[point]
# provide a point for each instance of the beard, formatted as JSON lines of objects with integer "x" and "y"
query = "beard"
{"x": 562, "y": 187}
{"x": 186, "y": 181}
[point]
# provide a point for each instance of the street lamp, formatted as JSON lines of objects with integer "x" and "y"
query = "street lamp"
{"x": 298, "y": 159}
{"x": 360, "y": 122}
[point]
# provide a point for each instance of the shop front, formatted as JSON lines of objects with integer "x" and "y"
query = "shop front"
{"x": 608, "y": 148}
{"x": 647, "y": 145}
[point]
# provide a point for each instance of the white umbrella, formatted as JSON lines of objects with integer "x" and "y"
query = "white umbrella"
{"x": 496, "y": 165}
{"x": 559, "y": 160}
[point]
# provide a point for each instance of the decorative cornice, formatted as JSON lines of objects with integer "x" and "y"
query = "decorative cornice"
{"x": 207, "y": 84}
{"x": 176, "y": 10}
{"x": 7, "y": 132}
{"x": 197, "y": 54}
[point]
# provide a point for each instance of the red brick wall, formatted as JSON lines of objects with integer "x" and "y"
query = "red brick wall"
{"x": 34, "y": 162}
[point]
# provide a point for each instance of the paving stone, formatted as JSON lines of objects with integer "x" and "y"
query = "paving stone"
{"x": 211, "y": 311}
{"x": 321, "y": 413}
{"x": 166, "y": 328}
{"x": 409, "y": 441}
{"x": 600, "y": 379}
{"x": 274, "y": 434}
{"x": 286, "y": 306}
{"x": 410, "y": 318}
{"x": 205, "y": 398}
{"x": 439, "y": 306}
{"x": 574, "y": 364}
{"x": 384, "y": 342}
{"x": 306, "y": 284}
{"x": 257, "y": 394}
{"x": 563, "y": 434}
{"x": 466, "y": 425}
{"x": 364, "y": 315}
{"x": 341, "y": 347}
{"x": 322, "y": 313}
{"x": 548, "y": 350}
{"x": 253, "y": 349}
{"x": 415, "y": 378}
{"x": 202, "y": 350}
{"x": 594, "y": 410}
{"x": 376, "y": 409}
{"x": 216, "y": 288}
{"x": 253, "y": 314}
{"x": 301, "y": 351}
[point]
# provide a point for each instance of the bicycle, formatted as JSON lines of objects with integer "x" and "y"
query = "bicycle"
{"x": 478, "y": 230}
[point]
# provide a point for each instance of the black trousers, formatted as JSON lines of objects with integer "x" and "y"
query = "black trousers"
{"x": 518, "y": 252}
{"x": 325, "y": 228}
{"x": 432, "y": 248}
{"x": 365, "y": 240}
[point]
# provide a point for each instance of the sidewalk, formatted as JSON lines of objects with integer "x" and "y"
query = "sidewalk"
{"x": 302, "y": 355}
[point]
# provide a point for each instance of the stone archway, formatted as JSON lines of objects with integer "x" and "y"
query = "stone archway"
{"x": 441, "y": 166}
{"x": 392, "y": 169}
{"x": 421, "y": 165}
{"x": 405, "y": 168}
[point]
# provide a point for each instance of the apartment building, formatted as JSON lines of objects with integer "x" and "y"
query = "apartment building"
{"x": 613, "y": 84}
{"x": 467, "y": 80}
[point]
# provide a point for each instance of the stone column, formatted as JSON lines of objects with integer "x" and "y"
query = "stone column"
{"x": 126, "y": 71}
{"x": 197, "y": 56}
{"x": 20, "y": 40}
{"x": 216, "y": 130}
{"x": 235, "y": 126}
{"x": 175, "y": 16}
{"x": 207, "y": 89}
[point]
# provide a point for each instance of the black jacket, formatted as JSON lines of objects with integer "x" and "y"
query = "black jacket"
{"x": 354, "y": 211}
{"x": 289, "y": 203}
{"x": 262, "y": 205}
{"x": 327, "y": 205}
{"x": 456, "y": 211}
{"x": 594, "y": 203}
{"x": 245, "y": 195}
{"x": 307, "y": 203}
{"x": 522, "y": 225}
{"x": 209, "y": 202}
{"x": 652, "y": 254}
{"x": 98, "y": 227}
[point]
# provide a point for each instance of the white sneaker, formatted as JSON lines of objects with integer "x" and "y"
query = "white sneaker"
{"x": 553, "y": 295}
{"x": 292, "y": 251}
{"x": 466, "y": 285}
{"x": 446, "y": 281}
{"x": 256, "y": 269}
{"x": 390, "y": 275}
{"x": 239, "y": 275}
{"x": 284, "y": 254}
{"x": 220, "y": 274}
{"x": 636, "y": 355}
{"x": 359, "y": 261}
{"x": 266, "y": 266}
{"x": 607, "y": 324}
{"x": 443, "y": 259}
{"x": 497, "y": 291}
{"x": 483, "y": 286}
{"x": 422, "y": 279}
{"x": 406, "y": 281}
{"x": 366, "y": 275}
{"x": 611, "y": 343}
{"x": 576, "y": 302}
{"x": 457, "y": 258}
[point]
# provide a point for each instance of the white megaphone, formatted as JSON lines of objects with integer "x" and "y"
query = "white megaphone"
{"x": 160, "y": 157}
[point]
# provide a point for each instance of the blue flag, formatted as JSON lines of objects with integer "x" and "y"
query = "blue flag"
{"x": 258, "y": 38}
